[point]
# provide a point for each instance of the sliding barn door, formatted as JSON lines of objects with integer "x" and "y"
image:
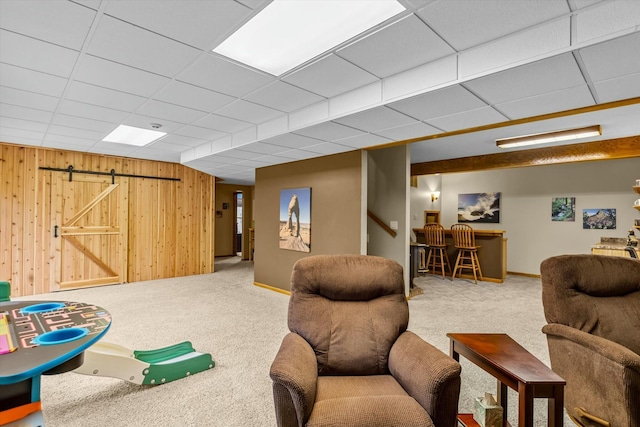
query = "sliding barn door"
{"x": 90, "y": 226}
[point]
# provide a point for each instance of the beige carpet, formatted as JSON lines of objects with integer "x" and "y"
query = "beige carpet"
{"x": 242, "y": 325}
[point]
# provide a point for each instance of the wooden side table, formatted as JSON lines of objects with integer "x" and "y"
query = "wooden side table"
{"x": 513, "y": 366}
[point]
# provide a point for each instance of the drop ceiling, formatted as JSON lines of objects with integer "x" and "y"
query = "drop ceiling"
{"x": 72, "y": 71}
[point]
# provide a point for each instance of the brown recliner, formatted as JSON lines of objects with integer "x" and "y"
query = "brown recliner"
{"x": 349, "y": 360}
{"x": 592, "y": 307}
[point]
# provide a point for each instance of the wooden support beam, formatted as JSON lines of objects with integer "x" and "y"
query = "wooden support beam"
{"x": 620, "y": 148}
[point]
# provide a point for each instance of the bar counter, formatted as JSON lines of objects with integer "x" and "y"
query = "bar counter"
{"x": 492, "y": 253}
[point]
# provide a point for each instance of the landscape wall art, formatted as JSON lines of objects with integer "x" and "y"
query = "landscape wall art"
{"x": 479, "y": 208}
{"x": 599, "y": 219}
{"x": 295, "y": 219}
{"x": 563, "y": 209}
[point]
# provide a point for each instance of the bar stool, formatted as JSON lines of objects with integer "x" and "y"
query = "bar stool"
{"x": 465, "y": 241}
{"x": 437, "y": 258}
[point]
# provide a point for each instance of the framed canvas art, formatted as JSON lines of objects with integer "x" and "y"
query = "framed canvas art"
{"x": 563, "y": 209}
{"x": 599, "y": 219}
{"x": 479, "y": 207}
{"x": 295, "y": 219}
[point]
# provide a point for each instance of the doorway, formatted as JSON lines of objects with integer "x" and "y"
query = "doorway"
{"x": 237, "y": 223}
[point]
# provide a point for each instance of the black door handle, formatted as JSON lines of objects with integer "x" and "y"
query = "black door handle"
{"x": 55, "y": 231}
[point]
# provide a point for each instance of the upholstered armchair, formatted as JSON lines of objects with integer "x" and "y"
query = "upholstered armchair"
{"x": 349, "y": 359}
{"x": 592, "y": 307}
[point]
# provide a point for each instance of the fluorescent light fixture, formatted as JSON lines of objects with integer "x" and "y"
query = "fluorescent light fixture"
{"x": 133, "y": 136}
{"x": 288, "y": 33}
{"x": 542, "y": 138}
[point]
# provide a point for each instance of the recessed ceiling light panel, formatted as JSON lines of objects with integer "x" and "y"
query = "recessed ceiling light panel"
{"x": 133, "y": 136}
{"x": 288, "y": 33}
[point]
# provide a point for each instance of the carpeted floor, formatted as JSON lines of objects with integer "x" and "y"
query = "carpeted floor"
{"x": 242, "y": 325}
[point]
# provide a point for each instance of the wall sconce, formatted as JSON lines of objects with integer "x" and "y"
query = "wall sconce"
{"x": 434, "y": 196}
{"x": 542, "y": 138}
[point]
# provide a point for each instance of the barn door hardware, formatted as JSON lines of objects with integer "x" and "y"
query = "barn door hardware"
{"x": 70, "y": 170}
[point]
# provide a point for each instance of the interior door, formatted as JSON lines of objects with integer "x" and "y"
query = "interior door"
{"x": 90, "y": 225}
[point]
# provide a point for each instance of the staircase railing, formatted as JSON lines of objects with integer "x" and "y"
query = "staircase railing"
{"x": 381, "y": 223}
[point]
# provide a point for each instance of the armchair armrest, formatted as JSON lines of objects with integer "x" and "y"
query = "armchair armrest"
{"x": 612, "y": 351}
{"x": 428, "y": 375}
{"x": 294, "y": 372}
{"x": 603, "y": 377}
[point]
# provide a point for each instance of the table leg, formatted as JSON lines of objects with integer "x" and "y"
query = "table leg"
{"x": 556, "y": 407}
{"x": 525, "y": 405}
{"x": 454, "y": 354}
{"x": 502, "y": 401}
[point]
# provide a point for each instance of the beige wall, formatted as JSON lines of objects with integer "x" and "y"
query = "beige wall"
{"x": 336, "y": 188}
{"x": 225, "y": 232}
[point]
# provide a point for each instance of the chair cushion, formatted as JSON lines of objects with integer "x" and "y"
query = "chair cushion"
{"x": 374, "y": 400}
{"x": 350, "y": 309}
{"x": 597, "y": 294}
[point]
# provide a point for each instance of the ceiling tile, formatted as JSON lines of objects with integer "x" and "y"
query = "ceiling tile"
{"x": 283, "y": 97}
{"x": 36, "y": 55}
{"x": 195, "y": 97}
{"x": 19, "y": 123}
{"x": 80, "y": 109}
{"x": 71, "y": 140}
{"x": 172, "y": 112}
{"x": 562, "y": 100}
{"x": 20, "y": 136}
{"x": 92, "y": 4}
{"x": 144, "y": 122}
{"x": 159, "y": 154}
{"x": 59, "y": 22}
{"x": 31, "y": 114}
{"x": 414, "y": 130}
{"x": 78, "y": 133}
{"x": 549, "y": 75}
{"x": 261, "y": 148}
{"x": 295, "y": 155}
{"x": 615, "y": 58}
{"x": 200, "y": 133}
{"x": 96, "y": 95}
{"x": 127, "y": 44}
{"x": 468, "y": 119}
{"x": 222, "y": 124}
{"x": 443, "y": 102}
{"x": 328, "y": 131}
{"x": 292, "y": 140}
{"x": 398, "y": 47}
{"x": 330, "y": 76}
{"x": 179, "y": 142}
{"x": 218, "y": 74}
{"x": 467, "y": 23}
{"x": 28, "y": 99}
{"x": 376, "y": 119}
{"x": 32, "y": 81}
{"x": 82, "y": 123}
{"x": 100, "y": 72}
{"x": 616, "y": 89}
{"x": 363, "y": 141}
{"x": 196, "y": 23}
{"x": 248, "y": 112}
{"x": 327, "y": 148}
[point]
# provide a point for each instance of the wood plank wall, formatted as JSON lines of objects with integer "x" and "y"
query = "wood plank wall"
{"x": 171, "y": 223}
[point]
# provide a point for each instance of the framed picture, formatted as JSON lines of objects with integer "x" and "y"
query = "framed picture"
{"x": 599, "y": 219}
{"x": 295, "y": 219}
{"x": 479, "y": 207}
{"x": 563, "y": 209}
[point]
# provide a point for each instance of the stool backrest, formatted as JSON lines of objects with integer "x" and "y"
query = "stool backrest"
{"x": 434, "y": 235}
{"x": 463, "y": 236}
